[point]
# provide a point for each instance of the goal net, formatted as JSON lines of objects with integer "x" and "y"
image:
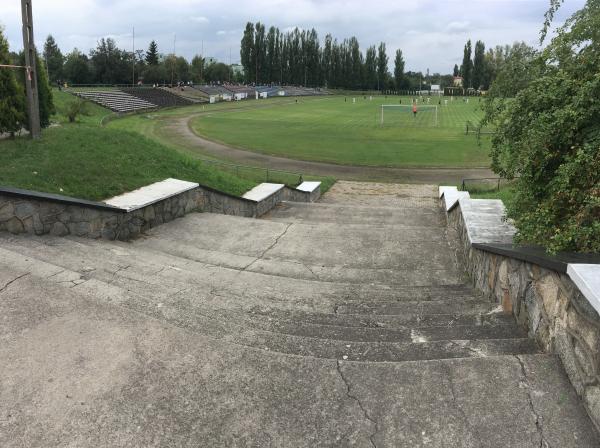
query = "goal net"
{"x": 403, "y": 115}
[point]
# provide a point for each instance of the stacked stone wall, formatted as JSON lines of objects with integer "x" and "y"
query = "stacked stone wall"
{"x": 546, "y": 303}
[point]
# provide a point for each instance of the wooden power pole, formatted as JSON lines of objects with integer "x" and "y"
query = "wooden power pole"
{"x": 33, "y": 103}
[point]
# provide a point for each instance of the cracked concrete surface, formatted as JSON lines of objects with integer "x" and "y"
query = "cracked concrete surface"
{"x": 364, "y": 411}
{"x": 170, "y": 342}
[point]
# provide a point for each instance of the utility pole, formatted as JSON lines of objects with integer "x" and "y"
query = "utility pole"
{"x": 33, "y": 104}
{"x": 133, "y": 58}
{"x": 174, "y": 60}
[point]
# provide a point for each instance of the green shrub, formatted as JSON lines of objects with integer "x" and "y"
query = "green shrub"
{"x": 549, "y": 136}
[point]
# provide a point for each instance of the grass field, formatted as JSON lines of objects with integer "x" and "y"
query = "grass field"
{"x": 337, "y": 130}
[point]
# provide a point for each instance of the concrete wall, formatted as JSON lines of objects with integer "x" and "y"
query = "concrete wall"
{"x": 546, "y": 302}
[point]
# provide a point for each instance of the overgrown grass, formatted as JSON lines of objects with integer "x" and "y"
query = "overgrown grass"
{"x": 96, "y": 163}
{"x": 505, "y": 193}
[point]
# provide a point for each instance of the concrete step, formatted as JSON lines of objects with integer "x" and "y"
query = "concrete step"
{"x": 325, "y": 246}
{"x": 409, "y": 332}
{"x": 72, "y": 361}
{"x": 123, "y": 261}
{"x": 377, "y": 216}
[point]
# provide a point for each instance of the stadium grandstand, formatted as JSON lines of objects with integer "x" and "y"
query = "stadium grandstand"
{"x": 138, "y": 98}
{"x": 116, "y": 100}
{"x": 158, "y": 96}
{"x": 189, "y": 93}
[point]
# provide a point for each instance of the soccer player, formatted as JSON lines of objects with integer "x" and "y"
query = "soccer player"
{"x": 415, "y": 109}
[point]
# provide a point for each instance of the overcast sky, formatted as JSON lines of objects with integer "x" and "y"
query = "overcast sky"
{"x": 430, "y": 33}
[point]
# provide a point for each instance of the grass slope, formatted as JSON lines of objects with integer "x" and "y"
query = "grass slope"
{"x": 152, "y": 125}
{"x": 336, "y": 130}
{"x": 86, "y": 161}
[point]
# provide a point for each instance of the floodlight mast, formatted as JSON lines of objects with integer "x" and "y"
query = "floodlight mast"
{"x": 33, "y": 103}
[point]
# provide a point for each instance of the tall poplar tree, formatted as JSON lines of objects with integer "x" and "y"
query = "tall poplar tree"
{"x": 399, "y": 69}
{"x": 478, "y": 65}
{"x": 467, "y": 66}
{"x": 382, "y": 65}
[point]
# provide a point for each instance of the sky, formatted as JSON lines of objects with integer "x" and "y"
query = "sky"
{"x": 431, "y": 34}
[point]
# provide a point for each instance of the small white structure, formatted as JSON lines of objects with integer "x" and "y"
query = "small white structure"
{"x": 240, "y": 96}
{"x": 226, "y": 97}
{"x": 213, "y": 99}
{"x": 262, "y": 191}
{"x": 150, "y": 194}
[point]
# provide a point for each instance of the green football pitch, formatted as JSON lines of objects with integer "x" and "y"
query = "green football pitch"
{"x": 342, "y": 130}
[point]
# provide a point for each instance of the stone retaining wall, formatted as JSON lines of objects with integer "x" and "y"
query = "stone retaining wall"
{"x": 26, "y": 214}
{"x": 293, "y": 195}
{"x": 34, "y": 213}
{"x": 547, "y": 303}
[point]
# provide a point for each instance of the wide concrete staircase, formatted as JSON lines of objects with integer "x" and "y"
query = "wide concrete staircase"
{"x": 342, "y": 323}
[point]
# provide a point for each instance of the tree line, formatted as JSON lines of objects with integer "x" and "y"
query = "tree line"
{"x": 108, "y": 64}
{"x": 297, "y": 57}
{"x": 480, "y": 68}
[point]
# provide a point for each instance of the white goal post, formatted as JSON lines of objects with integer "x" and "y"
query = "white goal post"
{"x": 420, "y": 107}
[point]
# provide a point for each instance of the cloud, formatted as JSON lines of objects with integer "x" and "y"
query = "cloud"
{"x": 458, "y": 27}
{"x": 199, "y": 19}
{"x": 431, "y": 33}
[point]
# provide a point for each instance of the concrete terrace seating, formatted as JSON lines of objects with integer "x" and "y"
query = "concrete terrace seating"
{"x": 157, "y": 96}
{"x": 208, "y": 90}
{"x": 189, "y": 93}
{"x": 116, "y": 100}
{"x": 270, "y": 91}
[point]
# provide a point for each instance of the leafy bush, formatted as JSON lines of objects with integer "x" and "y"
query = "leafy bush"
{"x": 76, "y": 108}
{"x": 549, "y": 136}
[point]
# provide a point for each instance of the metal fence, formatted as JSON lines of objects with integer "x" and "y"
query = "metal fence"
{"x": 257, "y": 173}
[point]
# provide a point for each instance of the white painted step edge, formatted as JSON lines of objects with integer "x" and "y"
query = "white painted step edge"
{"x": 587, "y": 278}
{"x": 262, "y": 191}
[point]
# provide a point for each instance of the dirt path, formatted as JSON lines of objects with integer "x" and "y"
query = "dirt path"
{"x": 179, "y": 128}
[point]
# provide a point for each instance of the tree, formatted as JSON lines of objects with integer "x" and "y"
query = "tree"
{"x": 76, "y": 69}
{"x": 399, "y": 70}
{"x": 515, "y": 70}
{"x": 548, "y": 134}
{"x": 12, "y": 99}
{"x": 456, "y": 71}
{"x": 152, "y": 54}
{"x": 156, "y": 74}
{"x": 197, "y": 69}
{"x": 247, "y": 51}
{"x": 371, "y": 69}
{"x": 467, "y": 66}
{"x": 111, "y": 64}
{"x": 218, "y": 72}
{"x": 45, "y": 97}
{"x": 382, "y": 64}
{"x": 54, "y": 59}
{"x": 479, "y": 65}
